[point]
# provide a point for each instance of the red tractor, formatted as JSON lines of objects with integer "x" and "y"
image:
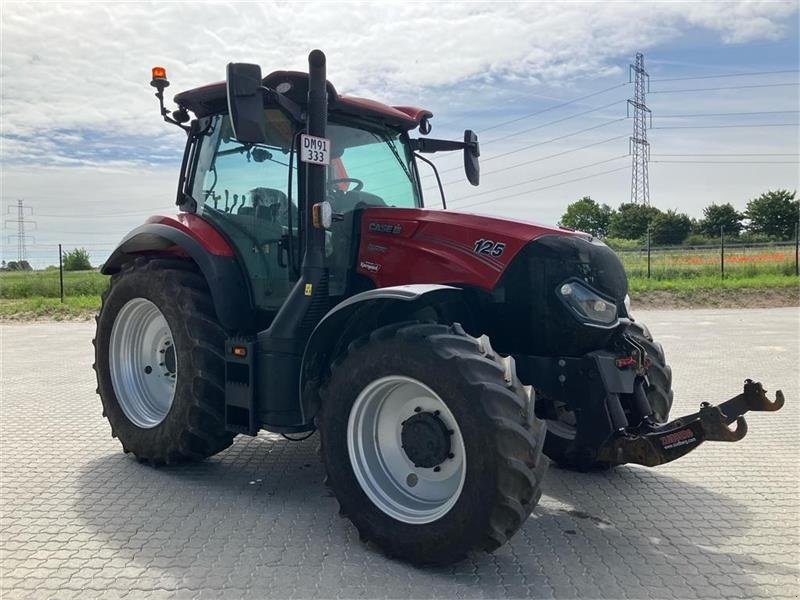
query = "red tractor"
{"x": 303, "y": 286}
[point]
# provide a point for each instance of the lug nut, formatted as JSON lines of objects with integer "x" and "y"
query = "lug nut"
{"x": 148, "y": 369}
{"x": 451, "y": 456}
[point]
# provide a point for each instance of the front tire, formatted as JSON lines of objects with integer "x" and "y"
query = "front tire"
{"x": 430, "y": 443}
{"x": 159, "y": 363}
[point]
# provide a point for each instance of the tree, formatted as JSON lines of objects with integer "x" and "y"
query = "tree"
{"x": 670, "y": 228}
{"x": 587, "y": 215}
{"x": 774, "y": 213}
{"x": 77, "y": 260}
{"x": 720, "y": 217}
{"x": 631, "y": 221}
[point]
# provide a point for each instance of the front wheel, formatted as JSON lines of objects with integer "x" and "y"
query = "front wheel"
{"x": 430, "y": 443}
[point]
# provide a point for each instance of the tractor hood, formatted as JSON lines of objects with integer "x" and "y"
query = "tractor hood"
{"x": 405, "y": 246}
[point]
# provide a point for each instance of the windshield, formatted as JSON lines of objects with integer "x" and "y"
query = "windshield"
{"x": 374, "y": 163}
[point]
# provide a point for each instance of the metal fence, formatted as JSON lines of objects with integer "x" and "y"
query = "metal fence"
{"x": 721, "y": 260}
{"x": 42, "y": 272}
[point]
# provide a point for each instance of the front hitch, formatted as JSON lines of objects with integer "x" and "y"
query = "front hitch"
{"x": 650, "y": 444}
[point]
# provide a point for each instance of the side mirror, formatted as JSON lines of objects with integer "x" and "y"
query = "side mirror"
{"x": 246, "y": 103}
{"x": 471, "y": 153}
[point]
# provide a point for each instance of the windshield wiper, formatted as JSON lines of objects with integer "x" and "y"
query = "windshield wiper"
{"x": 390, "y": 142}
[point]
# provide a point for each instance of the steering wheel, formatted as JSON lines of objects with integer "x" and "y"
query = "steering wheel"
{"x": 332, "y": 183}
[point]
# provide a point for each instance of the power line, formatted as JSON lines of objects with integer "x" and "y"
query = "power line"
{"x": 90, "y": 216}
{"x": 543, "y": 158}
{"x": 555, "y": 106}
{"x": 551, "y": 140}
{"x": 728, "y": 126}
{"x": 527, "y": 181}
{"x": 547, "y": 187}
{"x": 733, "y": 154}
{"x": 529, "y": 146}
{"x": 580, "y": 114}
{"x": 731, "y": 114}
{"x": 727, "y": 75}
{"x": 729, "y": 162}
{"x": 731, "y": 87}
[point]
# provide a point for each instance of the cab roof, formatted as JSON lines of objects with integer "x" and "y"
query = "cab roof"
{"x": 211, "y": 99}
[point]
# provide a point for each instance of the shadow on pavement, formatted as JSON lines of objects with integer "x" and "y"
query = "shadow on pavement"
{"x": 258, "y": 516}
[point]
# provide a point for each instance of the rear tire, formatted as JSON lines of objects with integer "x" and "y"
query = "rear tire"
{"x": 659, "y": 393}
{"x": 492, "y": 421}
{"x": 150, "y": 307}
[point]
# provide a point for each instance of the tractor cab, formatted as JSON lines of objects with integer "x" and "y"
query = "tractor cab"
{"x": 253, "y": 191}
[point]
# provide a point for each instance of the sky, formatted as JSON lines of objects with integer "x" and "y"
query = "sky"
{"x": 544, "y": 84}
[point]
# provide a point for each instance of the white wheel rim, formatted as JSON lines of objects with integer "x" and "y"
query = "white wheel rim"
{"x": 143, "y": 363}
{"x": 384, "y": 471}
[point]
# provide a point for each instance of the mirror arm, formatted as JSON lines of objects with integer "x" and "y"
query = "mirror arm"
{"x": 438, "y": 179}
{"x": 165, "y": 114}
{"x": 430, "y": 146}
{"x": 289, "y": 106}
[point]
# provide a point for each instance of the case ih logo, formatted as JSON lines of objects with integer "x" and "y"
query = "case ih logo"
{"x": 679, "y": 438}
{"x": 385, "y": 228}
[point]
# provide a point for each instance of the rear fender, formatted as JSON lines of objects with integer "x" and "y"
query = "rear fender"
{"x": 355, "y": 317}
{"x": 216, "y": 260}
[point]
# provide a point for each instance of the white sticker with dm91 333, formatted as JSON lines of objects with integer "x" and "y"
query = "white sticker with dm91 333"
{"x": 315, "y": 150}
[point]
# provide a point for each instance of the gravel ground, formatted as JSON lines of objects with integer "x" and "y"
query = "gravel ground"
{"x": 81, "y": 519}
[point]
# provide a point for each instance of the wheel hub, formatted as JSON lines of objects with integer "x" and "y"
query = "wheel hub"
{"x": 425, "y": 439}
{"x": 142, "y": 363}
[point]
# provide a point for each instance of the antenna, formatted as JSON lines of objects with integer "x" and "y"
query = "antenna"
{"x": 640, "y": 147}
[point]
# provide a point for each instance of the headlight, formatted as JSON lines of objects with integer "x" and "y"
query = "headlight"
{"x": 627, "y": 303}
{"x": 587, "y": 304}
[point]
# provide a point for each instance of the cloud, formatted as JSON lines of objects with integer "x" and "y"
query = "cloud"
{"x": 81, "y": 66}
{"x": 81, "y": 130}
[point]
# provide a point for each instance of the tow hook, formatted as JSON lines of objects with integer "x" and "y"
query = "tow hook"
{"x": 651, "y": 445}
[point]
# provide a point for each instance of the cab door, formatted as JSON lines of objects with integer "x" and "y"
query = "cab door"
{"x": 243, "y": 190}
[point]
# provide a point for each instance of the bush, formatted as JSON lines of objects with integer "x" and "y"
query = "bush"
{"x": 623, "y": 244}
{"x": 77, "y": 260}
{"x": 697, "y": 239}
{"x": 670, "y": 228}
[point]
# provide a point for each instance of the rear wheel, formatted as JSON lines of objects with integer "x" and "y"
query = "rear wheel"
{"x": 430, "y": 442}
{"x": 561, "y": 431}
{"x": 159, "y": 363}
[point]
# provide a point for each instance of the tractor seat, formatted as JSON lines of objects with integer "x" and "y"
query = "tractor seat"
{"x": 268, "y": 204}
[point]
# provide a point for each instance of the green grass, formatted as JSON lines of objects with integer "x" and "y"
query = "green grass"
{"x": 45, "y": 284}
{"x": 35, "y": 294}
{"x": 713, "y": 282}
{"x": 74, "y": 307}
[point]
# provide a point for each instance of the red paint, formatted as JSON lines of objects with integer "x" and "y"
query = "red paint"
{"x": 416, "y": 114}
{"x": 197, "y": 228}
{"x": 409, "y": 116}
{"x": 433, "y": 246}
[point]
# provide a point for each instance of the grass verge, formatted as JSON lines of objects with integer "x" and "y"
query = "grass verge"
{"x": 74, "y": 308}
{"x": 765, "y": 290}
{"x": 761, "y": 291}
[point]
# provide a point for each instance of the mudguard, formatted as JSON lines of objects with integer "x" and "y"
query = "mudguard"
{"x": 215, "y": 258}
{"x": 331, "y": 332}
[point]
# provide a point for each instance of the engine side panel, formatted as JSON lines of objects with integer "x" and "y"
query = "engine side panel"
{"x": 411, "y": 246}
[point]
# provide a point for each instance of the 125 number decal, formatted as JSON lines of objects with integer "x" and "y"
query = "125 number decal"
{"x": 489, "y": 247}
